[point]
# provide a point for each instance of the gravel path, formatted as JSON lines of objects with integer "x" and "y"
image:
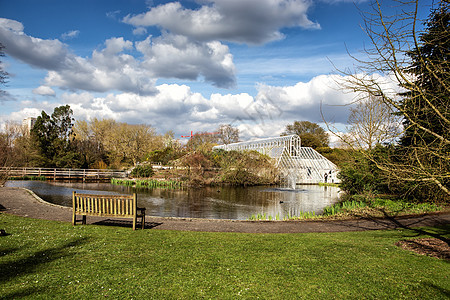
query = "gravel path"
{"x": 22, "y": 202}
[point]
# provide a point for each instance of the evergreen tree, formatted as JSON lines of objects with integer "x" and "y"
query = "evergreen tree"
{"x": 426, "y": 109}
{"x": 53, "y": 138}
{"x": 427, "y": 100}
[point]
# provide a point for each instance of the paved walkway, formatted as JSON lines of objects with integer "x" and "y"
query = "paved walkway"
{"x": 25, "y": 203}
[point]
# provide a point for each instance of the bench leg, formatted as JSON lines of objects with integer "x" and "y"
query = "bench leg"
{"x": 74, "y": 220}
{"x": 134, "y": 222}
{"x": 143, "y": 221}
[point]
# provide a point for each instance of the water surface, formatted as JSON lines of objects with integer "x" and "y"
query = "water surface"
{"x": 235, "y": 203}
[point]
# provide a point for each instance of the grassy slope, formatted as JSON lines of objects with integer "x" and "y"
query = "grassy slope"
{"x": 47, "y": 259}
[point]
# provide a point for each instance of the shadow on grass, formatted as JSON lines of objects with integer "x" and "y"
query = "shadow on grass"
{"x": 392, "y": 220}
{"x": 439, "y": 290}
{"x": 413, "y": 223}
{"x": 4, "y": 252}
{"x": 126, "y": 223}
{"x": 23, "y": 293}
{"x": 34, "y": 262}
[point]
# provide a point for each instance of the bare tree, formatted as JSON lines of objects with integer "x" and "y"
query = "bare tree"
{"x": 5, "y": 159}
{"x": 228, "y": 134}
{"x": 4, "y": 143}
{"x": 372, "y": 122}
{"x": 417, "y": 61}
{"x": 116, "y": 142}
{"x": 202, "y": 141}
{"x": 131, "y": 142}
{"x": 9, "y": 157}
{"x": 3, "y": 74}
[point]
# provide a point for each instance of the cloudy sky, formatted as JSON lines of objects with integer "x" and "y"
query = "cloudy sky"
{"x": 181, "y": 66}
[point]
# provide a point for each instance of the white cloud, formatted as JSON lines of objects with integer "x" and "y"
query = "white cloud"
{"x": 113, "y": 14}
{"x": 70, "y": 35}
{"x": 250, "y": 21}
{"x": 178, "y": 108}
{"x": 46, "y": 54}
{"x": 12, "y": 25}
{"x": 112, "y": 69}
{"x": 305, "y": 101}
{"x": 176, "y": 56}
{"x": 44, "y": 91}
{"x": 139, "y": 31}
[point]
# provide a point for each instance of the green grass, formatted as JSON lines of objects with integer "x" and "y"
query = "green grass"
{"x": 404, "y": 206}
{"x": 53, "y": 260}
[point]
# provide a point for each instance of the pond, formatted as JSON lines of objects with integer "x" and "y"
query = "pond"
{"x": 236, "y": 203}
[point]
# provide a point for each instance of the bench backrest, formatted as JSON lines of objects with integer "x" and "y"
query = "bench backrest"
{"x": 105, "y": 205}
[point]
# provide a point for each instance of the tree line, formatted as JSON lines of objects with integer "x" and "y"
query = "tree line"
{"x": 57, "y": 140}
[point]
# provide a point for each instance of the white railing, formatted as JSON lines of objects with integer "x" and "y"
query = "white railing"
{"x": 56, "y": 173}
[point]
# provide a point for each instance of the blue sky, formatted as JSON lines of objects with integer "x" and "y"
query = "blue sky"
{"x": 181, "y": 66}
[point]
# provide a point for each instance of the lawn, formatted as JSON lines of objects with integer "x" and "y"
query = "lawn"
{"x": 46, "y": 259}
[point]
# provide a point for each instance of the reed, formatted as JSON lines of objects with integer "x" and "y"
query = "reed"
{"x": 376, "y": 207}
{"x": 148, "y": 183}
{"x": 328, "y": 184}
{"x": 343, "y": 207}
{"x": 302, "y": 215}
{"x": 26, "y": 177}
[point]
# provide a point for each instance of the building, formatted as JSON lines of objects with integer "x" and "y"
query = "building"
{"x": 28, "y": 123}
{"x": 296, "y": 164}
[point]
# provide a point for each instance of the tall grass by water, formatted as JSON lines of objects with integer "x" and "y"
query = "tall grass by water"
{"x": 42, "y": 259}
{"x": 26, "y": 177}
{"x": 344, "y": 206}
{"x": 300, "y": 216}
{"x": 148, "y": 183}
{"x": 377, "y": 207}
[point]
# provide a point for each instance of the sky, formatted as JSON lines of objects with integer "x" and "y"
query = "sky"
{"x": 182, "y": 66}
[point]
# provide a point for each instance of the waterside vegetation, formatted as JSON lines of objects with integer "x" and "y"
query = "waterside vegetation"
{"x": 359, "y": 206}
{"x": 39, "y": 178}
{"x": 147, "y": 183}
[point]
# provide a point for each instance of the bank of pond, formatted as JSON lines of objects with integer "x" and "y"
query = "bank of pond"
{"x": 172, "y": 199}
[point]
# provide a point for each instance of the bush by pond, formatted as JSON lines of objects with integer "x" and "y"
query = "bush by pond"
{"x": 142, "y": 171}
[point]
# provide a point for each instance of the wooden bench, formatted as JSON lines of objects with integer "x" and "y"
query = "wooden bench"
{"x": 123, "y": 206}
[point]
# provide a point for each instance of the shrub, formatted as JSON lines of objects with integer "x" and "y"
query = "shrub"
{"x": 142, "y": 171}
{"x": 360, "y": 175}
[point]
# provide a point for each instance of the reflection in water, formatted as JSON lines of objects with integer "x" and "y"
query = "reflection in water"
{"x": 235, "y": 203}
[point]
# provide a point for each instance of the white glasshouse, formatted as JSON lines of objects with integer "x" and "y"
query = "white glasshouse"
{"x": 296, "y": 164}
